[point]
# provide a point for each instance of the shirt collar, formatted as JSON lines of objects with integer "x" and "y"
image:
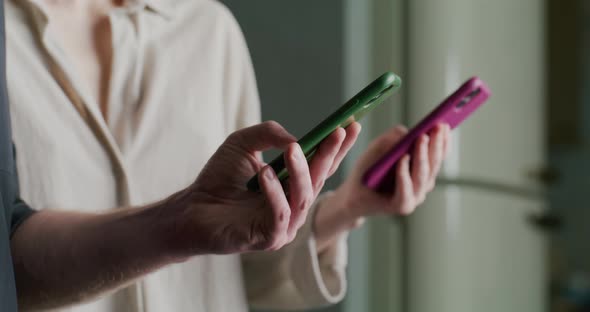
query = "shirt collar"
{"x": 161, "y": 7}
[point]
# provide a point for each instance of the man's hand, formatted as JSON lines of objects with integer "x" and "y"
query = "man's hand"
{"x": 222, "y": 216}
{"x": 61, "y": 258}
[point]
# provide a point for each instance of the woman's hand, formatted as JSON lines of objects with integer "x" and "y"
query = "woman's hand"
{"x": 415, "y": 177}
{"x": 219, "y": 215}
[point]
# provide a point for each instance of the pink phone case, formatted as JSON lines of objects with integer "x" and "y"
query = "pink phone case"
{"x": 456, "y": 108}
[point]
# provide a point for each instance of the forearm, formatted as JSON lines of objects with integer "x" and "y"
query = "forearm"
{"x": 63, "y": 258}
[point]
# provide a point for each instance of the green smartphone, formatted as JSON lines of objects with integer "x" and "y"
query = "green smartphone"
{"x": 353, "y": 110}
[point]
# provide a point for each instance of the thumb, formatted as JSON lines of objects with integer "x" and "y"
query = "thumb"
{"x": 381, "y": 145}
{"x": 261, "y": 137}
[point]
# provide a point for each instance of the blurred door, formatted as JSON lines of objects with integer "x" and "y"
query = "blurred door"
{"x": 569, "y": 150}
{"x": 471, "y": 247}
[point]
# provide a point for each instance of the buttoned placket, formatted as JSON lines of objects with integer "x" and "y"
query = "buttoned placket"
{"x": 90, "y": 111}
{"x": 87, "y": 107}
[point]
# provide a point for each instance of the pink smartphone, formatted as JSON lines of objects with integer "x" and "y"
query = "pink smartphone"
{"x": 456, "y": 108}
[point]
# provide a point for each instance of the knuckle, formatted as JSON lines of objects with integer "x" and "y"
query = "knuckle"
{"x": 234, "y": 136}
{"x": 400, "y": 129}
{"x": 421, "y": 198}
{"x": 301, "y": 222}
{"x": 424, "y": 182}
{"x": 401, "y": 210}
{"x": 272, "y": 248}
{"x": 306, "y": 202}
{"x": 340, "y": 134}
{"x": 407, "y": 207}
{"x": 262, "y": 241}
{"x": 405, "y": 210}
{"x": 272, "y": 125}
{"x": 264, "y": 235}
{"x": 291, "y": 237}
{"x": 278, "y": 243}
{"x": 319, "y": 185}
{"x": 274, "y": 244}
{"x": 287, "y": 214}
{"x": 286, "y": 240}
{"x": 333, "y": 170}
{"x": 425, "y": 165}
{"x": 282, "y": 216}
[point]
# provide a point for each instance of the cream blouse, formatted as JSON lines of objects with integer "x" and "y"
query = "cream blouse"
{"x": 182, "y": 80}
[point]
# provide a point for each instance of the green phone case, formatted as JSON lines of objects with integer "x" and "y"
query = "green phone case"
{"x": 357, "y": 107}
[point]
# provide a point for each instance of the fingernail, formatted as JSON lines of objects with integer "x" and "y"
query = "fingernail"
{"x": 358, "y": 223}
{"x": 295, "y": 152}
{"x": 269, "y": 174}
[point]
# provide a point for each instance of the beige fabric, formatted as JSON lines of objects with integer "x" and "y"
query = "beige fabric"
{"x": 182, "y": 80}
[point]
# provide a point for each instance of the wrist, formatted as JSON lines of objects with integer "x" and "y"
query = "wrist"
{"x": 347, "y": 207}
{"x": 332, "y": 219}
{"x": 169, "y": 224}
{"x": 336, "y": 214}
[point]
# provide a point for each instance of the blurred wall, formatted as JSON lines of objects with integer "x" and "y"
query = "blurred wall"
{"x": 296, "y": 47}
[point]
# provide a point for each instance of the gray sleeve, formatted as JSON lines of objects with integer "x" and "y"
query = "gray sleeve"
{"x": 20, "y": 210}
